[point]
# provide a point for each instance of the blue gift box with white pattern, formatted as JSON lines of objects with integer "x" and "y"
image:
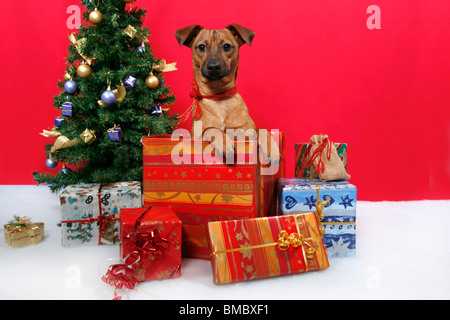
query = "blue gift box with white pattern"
{"x": 296, "y": 195}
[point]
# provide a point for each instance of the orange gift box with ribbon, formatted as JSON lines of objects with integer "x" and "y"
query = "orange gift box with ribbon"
{"x": 265, "y": 247}
{"x": 202, "y": 187}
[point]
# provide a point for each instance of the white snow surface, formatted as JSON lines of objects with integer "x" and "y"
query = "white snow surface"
{"x": 402, "y": 252}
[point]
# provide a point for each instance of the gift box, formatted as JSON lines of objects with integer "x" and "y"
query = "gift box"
{"x": 202, "y": 187}
{"x": 66, "y": 109}
{"x": 58, "y": 121}
{"x": 338, "y": 214}
{"x": 90, "y": 212}
{"x": 301, "y": 157}
{"x": 152, "y": 237}
{"x": 129, "y": 82}
{"x": 22, "y": 232}
{"x": 115, "y": 133}
{"x": 249, "y": 249}
{"x": 156, "y": 110}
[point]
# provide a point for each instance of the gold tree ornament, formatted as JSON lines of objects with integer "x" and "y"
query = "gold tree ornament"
{"x": 84, "y": 70}
{"x": 152, "y": 81}
{"x": 95, "y": 17}
{"x": 88, "y": 136}
{"x": 130, "y": 31}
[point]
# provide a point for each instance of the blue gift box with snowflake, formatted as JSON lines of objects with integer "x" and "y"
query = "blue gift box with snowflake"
{"x": 300, "y": 195}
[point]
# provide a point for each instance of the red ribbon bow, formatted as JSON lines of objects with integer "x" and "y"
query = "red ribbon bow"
{"x": 122, "y": 275}
{"x": 195, "y": 108}
{"x": 102, "y": 219}
{"x": 147, "y": 240}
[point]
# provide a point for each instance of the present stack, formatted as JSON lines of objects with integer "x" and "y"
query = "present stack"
{"x": 242, "y": 214}
{"x": 202, "y": 187}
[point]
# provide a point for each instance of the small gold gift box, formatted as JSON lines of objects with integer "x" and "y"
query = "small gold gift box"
{"x": 22, "y": 232}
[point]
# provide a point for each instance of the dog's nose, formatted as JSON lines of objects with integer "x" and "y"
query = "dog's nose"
{"x": 213, "y": 66}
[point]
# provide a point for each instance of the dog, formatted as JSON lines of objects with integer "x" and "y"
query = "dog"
{"x": 215, "y": 57}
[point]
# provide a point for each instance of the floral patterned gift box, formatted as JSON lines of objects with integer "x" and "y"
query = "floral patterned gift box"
{"x": 90, "y": 212}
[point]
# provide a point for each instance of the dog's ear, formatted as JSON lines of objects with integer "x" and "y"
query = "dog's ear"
{"x": 186, "y": 35}
{"x": 243, "y": 35}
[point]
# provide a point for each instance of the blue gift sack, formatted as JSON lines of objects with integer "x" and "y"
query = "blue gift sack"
{"x": 296, "y": 195}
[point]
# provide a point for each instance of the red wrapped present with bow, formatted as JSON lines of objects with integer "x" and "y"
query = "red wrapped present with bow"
{"x": 202, "y": 186}
{"x": 151, "y": 243}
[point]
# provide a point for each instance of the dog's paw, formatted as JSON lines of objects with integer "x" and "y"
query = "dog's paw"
{"x": 225, "y": 148}
{"x": 271, "y": 153}
{"x": 274, "y": 155}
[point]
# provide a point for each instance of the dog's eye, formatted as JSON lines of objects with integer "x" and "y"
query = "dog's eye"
{"x": 201, "y": 47}
{"x": 227, "y": 47}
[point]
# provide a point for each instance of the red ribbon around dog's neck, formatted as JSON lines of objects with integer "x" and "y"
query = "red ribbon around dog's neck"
{"x": 195, "y": 108}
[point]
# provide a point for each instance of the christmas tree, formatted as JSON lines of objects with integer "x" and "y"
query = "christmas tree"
{"x": 112, "y": 95}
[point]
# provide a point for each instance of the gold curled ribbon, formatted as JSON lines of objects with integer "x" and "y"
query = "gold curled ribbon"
{"x": 284, "y": 241}
{"x": 162, "y": 66}
{"x": 60, "y": 142}
{"x": 320, "y": 205}
{"x": 50, "y": 133}
{"x": 63, "y": 142}
{"x": 79, "y": 44}
{"x": 120, "y": 92}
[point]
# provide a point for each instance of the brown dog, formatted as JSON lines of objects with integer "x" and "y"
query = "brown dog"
{"x": 215, "y": 57}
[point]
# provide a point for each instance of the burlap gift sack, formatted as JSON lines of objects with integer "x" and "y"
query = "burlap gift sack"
{"x": 324, "y": 160}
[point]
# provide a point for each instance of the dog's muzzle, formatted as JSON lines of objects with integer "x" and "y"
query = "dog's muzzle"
{"x": 214, "y": 70}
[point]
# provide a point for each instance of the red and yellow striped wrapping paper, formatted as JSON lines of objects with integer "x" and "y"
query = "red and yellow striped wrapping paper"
{"x": 202, "y": 191}
{"x": 247, "y": 249}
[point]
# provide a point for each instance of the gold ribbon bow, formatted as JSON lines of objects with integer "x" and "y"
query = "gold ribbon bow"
{"x": 79, "y": 44}
{"x": 285, "y": 240}
{"x": 60, "y": 142}
{"x": 21, "y": 222}
{"x": 162, "y": 66}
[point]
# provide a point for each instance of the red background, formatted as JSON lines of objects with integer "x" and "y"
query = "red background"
{"x": 314, "y": 67}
